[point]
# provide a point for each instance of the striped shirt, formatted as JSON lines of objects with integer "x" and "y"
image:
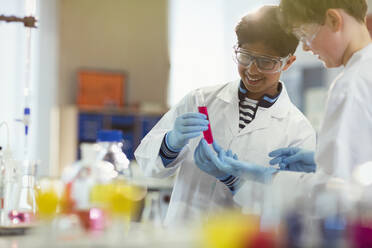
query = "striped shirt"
{"x": 248, "y": 107}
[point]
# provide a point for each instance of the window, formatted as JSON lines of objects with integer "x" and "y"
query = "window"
{"x": 201, "y": 37}
{"x": 12, "y": 75}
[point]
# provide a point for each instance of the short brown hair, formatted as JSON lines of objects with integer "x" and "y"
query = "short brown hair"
{"x": 309, "y": 11}
{"x": 263, "y": 26}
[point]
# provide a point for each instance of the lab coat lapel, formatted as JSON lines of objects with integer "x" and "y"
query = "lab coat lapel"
{"x": 264, "y": 116}
{"x": 261, "y": 121}
{"x": 230, "y": 112}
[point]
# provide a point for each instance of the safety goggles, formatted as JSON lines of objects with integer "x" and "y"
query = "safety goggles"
{"x": 264, "y": 63}
{"x": 306, "y": 33}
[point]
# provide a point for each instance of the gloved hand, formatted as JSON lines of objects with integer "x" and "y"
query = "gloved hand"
{"x": 186, "y": 127}
{"x": 231, "y": 165}
{"x": 203, "y": 159}
{"x": 293, "y": 159}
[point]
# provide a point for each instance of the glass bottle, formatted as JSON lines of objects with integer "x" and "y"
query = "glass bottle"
{"x": 112, "y": 143}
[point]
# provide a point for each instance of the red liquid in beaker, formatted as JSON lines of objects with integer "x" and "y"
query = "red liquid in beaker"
{"x": 207, "y": 133}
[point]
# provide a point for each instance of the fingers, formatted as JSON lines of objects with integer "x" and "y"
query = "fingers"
{"x": 219, "y": 162}
{"x": 191, "y": 135}
{"x": 194, "y": 122}
{"x": 198, "y": 155}
{"x": 298, "y": 157}
{"x": 283, "y": 166}
{"x": 221, "y": 165}
{"x": 193, "y": 115}
{"x": 191, "y": 122}
{"x": 216, "y": 147}
{"x": 302, "y": 167}
{"x": 232, "y": 162}
{"x": 276, "y": 160}
{"x": 284, "y": 151}
{"x": 192, "y": 129}
{"x": 279, "y": 152}
{"x": 229, "y": 153}
{"x": 206, "y": 150}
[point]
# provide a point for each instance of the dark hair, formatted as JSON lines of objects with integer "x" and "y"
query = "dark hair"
{"x": 308, "y": 11}
{"x": 263, "y": 26}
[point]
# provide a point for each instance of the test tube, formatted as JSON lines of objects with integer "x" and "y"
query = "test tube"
{"x": 202, "y": 108}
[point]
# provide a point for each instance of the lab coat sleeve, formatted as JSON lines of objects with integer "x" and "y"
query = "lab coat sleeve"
{"x": 304, "y": 137}
{"x": 147, "y": 153}
{"x": 344, "y": 143}
{"x": 345, "y": 139}
{"x": 302, "y": 134}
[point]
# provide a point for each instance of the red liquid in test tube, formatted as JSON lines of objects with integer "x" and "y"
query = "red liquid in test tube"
{"x": 207, "y": 133}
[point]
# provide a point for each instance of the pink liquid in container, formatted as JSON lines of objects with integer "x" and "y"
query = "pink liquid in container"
{"x": 203, "y": 110}
{"x": 207, "y": 133}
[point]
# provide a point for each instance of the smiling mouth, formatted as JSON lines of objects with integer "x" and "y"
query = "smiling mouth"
{"x": 253, "y": 80}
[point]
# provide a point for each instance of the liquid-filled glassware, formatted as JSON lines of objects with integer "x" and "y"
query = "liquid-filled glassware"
{"x": 202, "y": 108}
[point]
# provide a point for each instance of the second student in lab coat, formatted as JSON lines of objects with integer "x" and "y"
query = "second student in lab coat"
{"x": 339, "y": 35}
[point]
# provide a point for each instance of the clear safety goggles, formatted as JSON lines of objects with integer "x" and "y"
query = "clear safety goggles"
{"x": 306, "y": 33}
{"x": 264, "y": 63}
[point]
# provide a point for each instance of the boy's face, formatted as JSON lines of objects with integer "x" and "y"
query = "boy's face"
{"x": 326, "y": 41}
{"x": 256, "y": 81}
{"x": 325, "y": 45}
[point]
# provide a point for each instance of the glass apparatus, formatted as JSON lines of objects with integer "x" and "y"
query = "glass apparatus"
{"x": 112, "y": 143}
{"x": 202, "y": 108}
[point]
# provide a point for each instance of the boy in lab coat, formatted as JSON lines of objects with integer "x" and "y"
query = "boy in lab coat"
{"x": 251, "y": 116}
{"x": 335, "y": 31}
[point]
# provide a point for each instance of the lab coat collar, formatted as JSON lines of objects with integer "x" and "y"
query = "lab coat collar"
{"x": 364, "y": 53}
{"x": 263, "y": 119}
{"x": 266, "y": 100}
{"x": 281, "y": 107}
{"x": 264, "y": 116}
{"x": 229, "y": 94}
{"x": 279, "y": 110}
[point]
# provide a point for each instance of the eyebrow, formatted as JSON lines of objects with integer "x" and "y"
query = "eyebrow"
{"x": 259, "y": 55}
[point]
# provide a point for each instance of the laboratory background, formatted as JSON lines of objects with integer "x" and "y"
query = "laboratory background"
{"x": 81, "y": 84}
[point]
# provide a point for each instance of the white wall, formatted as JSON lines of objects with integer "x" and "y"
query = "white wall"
{"x": 43, "y": 77}
{"x": 47, "y": 78}
{"x": 202, "y": 35}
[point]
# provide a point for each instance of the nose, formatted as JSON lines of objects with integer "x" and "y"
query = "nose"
{"x": 252, "y": 68}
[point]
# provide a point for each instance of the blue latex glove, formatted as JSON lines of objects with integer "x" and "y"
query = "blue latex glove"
{"x": 203, "y": 159}
{"x": 293, "y": 159}
{"x": 231, "y": 165}
{"x": 186, "y": 127}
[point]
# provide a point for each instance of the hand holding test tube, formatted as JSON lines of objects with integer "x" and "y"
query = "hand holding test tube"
{"x": 202, "y": 108}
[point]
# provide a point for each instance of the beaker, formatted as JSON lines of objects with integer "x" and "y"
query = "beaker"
{"x": 26, "y": 179}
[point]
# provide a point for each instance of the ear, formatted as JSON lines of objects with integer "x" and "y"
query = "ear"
{"x": 289, "y": 62}
{"x": 333, "y": 19}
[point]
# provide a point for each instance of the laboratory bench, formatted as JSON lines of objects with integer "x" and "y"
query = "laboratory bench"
{"x": 140, "y": 235}
{"x": 145, "y": 231}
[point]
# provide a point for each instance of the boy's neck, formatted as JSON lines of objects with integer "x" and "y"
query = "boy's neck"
{"x": 360, "y": 38}
{"x": 272, "y": 91}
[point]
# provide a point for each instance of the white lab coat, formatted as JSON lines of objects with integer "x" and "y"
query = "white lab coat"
{"x": 196, "y": 192}
{"x": 345, "y": 138}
